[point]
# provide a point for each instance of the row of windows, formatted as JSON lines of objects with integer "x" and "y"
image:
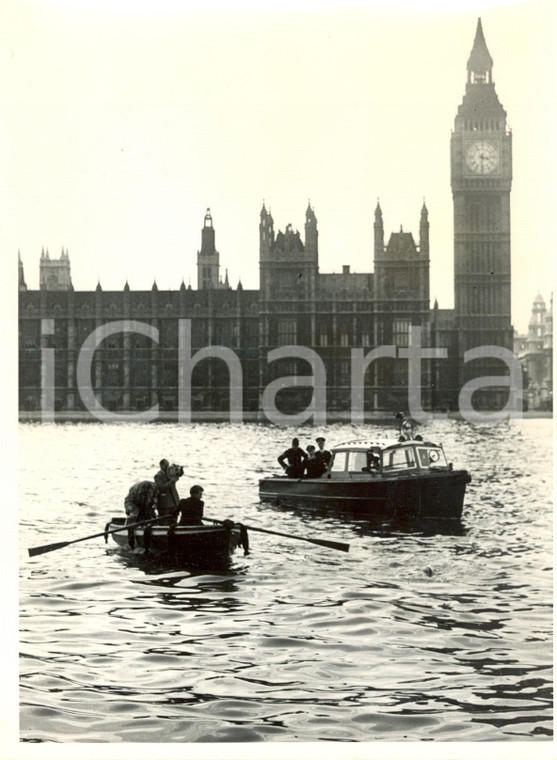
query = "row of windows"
{"x": 484, "y": 125}
{"x": 484, "y": 256}
{"x": 283, "y": 332}
{"x": 287, "y": 334}
{"x": 211, "y": 374}
{"x": 484, "y": 216}
{"x": 481, "y": 298}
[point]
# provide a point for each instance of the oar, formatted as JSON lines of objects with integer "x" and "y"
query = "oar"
{"x": 60, "y": 545}
{"x": 319, "y": 541}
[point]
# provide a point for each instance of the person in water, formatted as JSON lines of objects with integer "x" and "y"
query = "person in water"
{"x": 191, "y": 510}
{"x": 140, "y": 502}
{"x": 296, "y": 457}
{"x": 313, "y": 467}
{"x": 165, "y": 481}
{"x": 323, "y": 455}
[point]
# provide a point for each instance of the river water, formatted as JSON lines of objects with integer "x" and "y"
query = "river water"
{"x": 408, "y": 637}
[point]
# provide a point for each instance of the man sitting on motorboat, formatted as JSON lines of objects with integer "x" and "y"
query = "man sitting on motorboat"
{"x": 322, "y": 454}
{"x": 296, "y": 457}
{"x": 313, "y": 467}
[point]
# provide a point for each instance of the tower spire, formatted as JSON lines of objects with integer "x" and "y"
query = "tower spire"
{"x": 21, "y": 275}
{"x": 208, "y": 256}
{"x": 424, "y": 230}
{"x": 378, "y": 232}
{"x": 480, "y": 62}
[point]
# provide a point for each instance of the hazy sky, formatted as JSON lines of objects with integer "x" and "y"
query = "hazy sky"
{"x": 122, "y": 122}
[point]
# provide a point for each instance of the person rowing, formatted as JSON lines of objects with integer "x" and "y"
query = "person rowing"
{"x": 190, "y": 510}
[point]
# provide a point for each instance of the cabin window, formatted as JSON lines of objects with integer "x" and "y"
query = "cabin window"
{"x": 357, "y": 461}
{"x": 431, "y": 457}
{"x": 423, "y": 456}
{"x": 339, "y": 462}
{"x": 399, "y": 459}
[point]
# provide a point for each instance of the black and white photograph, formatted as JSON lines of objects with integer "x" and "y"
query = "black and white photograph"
{"x": 278, "y": 392}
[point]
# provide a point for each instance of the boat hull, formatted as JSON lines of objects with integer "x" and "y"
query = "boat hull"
{"x": 205, "y": 545}
{"x": 430, "y": 496}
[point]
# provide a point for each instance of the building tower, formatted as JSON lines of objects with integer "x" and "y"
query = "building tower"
{"x": 208, "y": 256}
{"x": 481, "y": 175}
{"x": 548, "y": 352}
{"x": 536, "y": 326}
{"x": 22, "y": 285}
{"x": 266, "y": 244}
{"x": 401, "y": 301}
{"x": 401, "y": 268}
{"x": 55, "y": 274}
{"x": 537, "y": 355}
{"x": 288, "y": 265}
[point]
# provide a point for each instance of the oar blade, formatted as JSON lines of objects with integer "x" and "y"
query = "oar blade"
{"x": 52, "y": 547}
{"x": 47, "y": 548}
{"x": 338, "y": 545}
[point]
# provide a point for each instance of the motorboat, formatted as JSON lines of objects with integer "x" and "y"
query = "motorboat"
{"x": 404, "y": 479}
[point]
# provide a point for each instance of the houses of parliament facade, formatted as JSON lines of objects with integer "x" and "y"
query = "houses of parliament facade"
{"x": 297, "y": 305}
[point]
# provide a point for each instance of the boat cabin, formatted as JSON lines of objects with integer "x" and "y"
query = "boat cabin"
{"x": 385, "y": 458}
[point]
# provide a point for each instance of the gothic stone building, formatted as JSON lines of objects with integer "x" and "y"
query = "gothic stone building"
{"x": 535, "y": 351}
{"x": 297, "y": 305}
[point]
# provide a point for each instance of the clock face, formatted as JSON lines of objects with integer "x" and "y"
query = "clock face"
{"x": 482, "y": 157}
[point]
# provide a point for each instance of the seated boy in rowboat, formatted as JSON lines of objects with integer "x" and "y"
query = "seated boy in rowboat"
{"x": 190, "y": 510}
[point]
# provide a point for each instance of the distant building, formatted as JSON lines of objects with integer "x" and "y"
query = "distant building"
{"x": 208, "y": 266}
{"x": 55, "y": 273}
{"x": 297, "y": 305}
{"x": 535, "y": 351}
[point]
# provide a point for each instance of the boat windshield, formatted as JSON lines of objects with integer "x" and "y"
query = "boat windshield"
{"x": 398, "y": 459}
{"x": 357, "y": 461}
{"x": 339, "y": 461}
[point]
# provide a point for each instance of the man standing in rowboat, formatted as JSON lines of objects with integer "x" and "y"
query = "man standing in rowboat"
{"x": 165, "y": 481}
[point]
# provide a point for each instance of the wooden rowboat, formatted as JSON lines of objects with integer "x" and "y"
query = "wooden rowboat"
{"x": 205, "y": 545}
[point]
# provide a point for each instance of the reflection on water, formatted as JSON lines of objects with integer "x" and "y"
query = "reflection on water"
{"x": 367, "y": 525}
{"x": 440, "y": 633}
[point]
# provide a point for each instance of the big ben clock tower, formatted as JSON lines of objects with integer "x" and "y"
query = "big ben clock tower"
{"x": 481, "y": 175}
